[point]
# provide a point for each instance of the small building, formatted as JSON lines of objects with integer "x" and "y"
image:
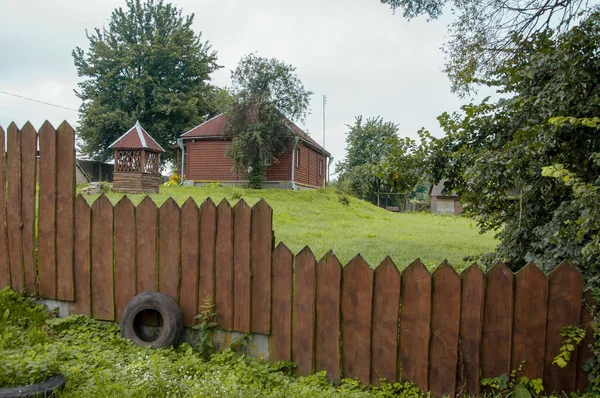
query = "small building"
{"x": 443, "y": 202}
{"x": 137, "y": 162}
{"x": 303, "y": 165}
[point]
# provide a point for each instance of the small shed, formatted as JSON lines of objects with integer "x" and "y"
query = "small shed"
{"x": 137, "y": 162}
{"x": 443, "y": 202}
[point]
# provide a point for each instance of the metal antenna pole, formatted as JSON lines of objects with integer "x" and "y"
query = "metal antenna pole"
{"x": 324, "y": 102}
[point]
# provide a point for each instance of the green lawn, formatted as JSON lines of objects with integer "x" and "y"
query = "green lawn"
{"x": 318, "y": 219}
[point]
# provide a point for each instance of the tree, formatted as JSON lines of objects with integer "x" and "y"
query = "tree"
{"x": 494, "y": 153}
{"x": 482, "y": 36}
{"x": 147, "y": 65}
{"x": 377, "y": 160}
{"x": 267, "y": 94}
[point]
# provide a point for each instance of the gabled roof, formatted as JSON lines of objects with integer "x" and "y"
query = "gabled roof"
{"x": 215, "y": 127}
{"x": 438, "y": 190}
{"x": 136, "y": 138}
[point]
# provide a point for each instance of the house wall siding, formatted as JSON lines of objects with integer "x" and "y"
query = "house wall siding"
{"x": 308, "y": 172}
{"x": 206, "y": 160}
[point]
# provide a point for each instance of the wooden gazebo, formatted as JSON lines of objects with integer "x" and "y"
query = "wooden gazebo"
{"x": 137, "y": 162}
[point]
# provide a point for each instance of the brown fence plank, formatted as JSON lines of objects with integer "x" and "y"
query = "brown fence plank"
{"x": 471, "y": 303}
{"x": 47, "y": 212}
{"x": 529, "y": 327}
{"x": 327, "y": 329}
{"x": 565, "y": 291}
{"x": 65, "y": 191}
{"x": 357, "y": 303}
{"x": 169, "y": 274}
{"x": 280, "y": 340}
{"x": 190, "y": 253}
{"x": 4, "y": 265}
{"x": 13, "y": 206}
{"x": 415, "y": 324}
{"x": 125, "y": 283}
{"x": 103, "y": 306}
{"x": 224, "y": 266}
{"x": 445, "y": 324}
{"x": 241, "y": 267}
{"x": 28, "y": 196}
{"x": 386, "y": 307}
{"x": 303, "y": 318}
{"x": 82, "y": 256}
{"x": 584, "y": 351}
{"x": 208, "y": 233}
{"x": 497, "y": 322}
{"x": 147, "y": 245}
{"x": 260, "y": 255}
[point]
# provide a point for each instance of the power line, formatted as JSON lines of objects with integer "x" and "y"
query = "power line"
{"x": 38, "y": 101}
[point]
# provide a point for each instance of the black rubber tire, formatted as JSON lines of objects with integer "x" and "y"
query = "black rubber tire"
{"x": 172, "y": 318}
{"x": 43, "y": 389}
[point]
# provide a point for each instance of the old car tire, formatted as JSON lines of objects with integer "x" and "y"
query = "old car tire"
{"x": 166, "y": 310}
{"x": 42, "y": 389}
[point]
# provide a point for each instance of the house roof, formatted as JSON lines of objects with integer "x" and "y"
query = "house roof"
{"x": 438, "y": 190}
{"x": 215, "y": 127}
{"x": 136, "y": 138}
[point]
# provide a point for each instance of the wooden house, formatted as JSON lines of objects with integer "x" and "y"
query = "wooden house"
{"x": 443, "y": 202}
{"x": 303, "y": 165}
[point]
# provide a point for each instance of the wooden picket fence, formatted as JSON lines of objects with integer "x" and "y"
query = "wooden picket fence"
{"x": 443, "y": 331}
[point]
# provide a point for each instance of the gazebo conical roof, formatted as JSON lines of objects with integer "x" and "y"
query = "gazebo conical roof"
{"x": 136, "y": 138}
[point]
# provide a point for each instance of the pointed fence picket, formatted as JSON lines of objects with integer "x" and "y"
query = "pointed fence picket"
{"x": 440, "y": 331}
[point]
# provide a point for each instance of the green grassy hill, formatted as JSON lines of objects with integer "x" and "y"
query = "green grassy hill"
{"x": 319, "y": 219}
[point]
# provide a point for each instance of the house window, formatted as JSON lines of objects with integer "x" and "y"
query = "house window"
{"x": 320, "y": 167}
{"x": 267, "y": 162}
{"x": 297, "y": 157}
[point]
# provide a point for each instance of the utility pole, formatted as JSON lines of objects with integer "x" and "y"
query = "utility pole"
{"x": 324, "y": 102}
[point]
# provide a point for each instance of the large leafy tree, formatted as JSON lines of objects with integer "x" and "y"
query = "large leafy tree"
{"x": 481, "y": 37}
{"x": 378, "y": 160}
{"x": 147, "y": 65}
{"x": 494, "y": 153}
{"x": 267, "y": 95}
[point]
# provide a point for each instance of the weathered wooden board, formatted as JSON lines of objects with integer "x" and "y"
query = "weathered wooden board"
{"x": 28, "y": 205}
{"x": 241, "y": 267}
{"x": 190, "y": 253}
{"x": 303, "y": 333}
{"x": 47, "y": 212}
{"x": 125, "y": 280}
{"x": 65, "y": 191}
{"x": 445, "y": 324}
{"x": 13, "y": 206}
{"x": 103, "y": 305}
{"x": 497, "y": 322}
{"x": 260, "y": 255}
{"x": 327, "y": 328}
{"x": 169, "y": 273}
{"x": 529, "y": 323}
{"x": 386, "y": 307}
{"x": 224, "y": 266}
{"x": 208, "y": 233}
{"x": 415, "y": 324}
{"x": 471, "y": 303}
{"x": 147, "y": 246}
{"x": 4, "y": 265}
{"x": 584, "y": 351}
{"x": 565, "y": 291}
{"x": 280, "y": 340}
{"x": 82, "y": 255}
{"x": 357, "y": 303}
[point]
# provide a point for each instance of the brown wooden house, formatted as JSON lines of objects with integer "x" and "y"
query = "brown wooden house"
{"x": 303, "y": 165}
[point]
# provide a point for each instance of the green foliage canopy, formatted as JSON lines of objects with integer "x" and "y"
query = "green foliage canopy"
{"x": 147, "y": 65}
{"x": 378, "y": 160}
{"x": 494, "y": 153}
{"x": 267, "y": 94}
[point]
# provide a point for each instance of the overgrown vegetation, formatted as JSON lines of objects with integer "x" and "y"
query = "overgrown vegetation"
{"x": 325, "y": 220}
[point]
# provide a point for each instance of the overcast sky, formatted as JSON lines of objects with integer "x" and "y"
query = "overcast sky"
{"x": 365, "y": 59}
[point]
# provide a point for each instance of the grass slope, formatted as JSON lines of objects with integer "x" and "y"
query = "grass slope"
{"x": 319, "y": 220}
